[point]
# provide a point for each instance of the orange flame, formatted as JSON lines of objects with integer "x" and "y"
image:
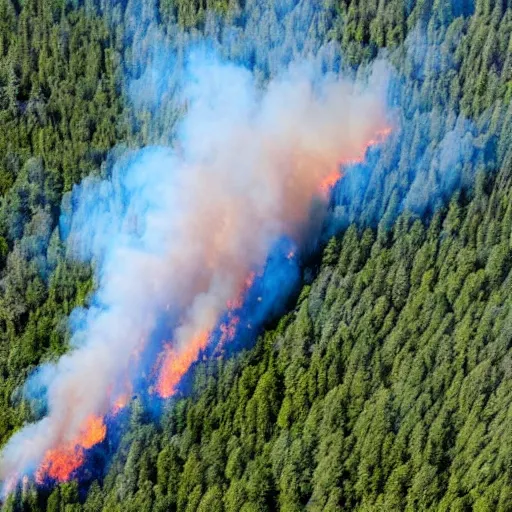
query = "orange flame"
{"x": 120, "y": 403}
{"x": 177, "y": 362}
{"x": 331, "y": 179}
{"x": 228, "y": 330}
{"x": 238, "y": 302}
{"x": 59, "y": 463}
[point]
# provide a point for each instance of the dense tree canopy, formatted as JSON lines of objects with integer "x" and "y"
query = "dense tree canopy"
{"x": 388, "y": 386}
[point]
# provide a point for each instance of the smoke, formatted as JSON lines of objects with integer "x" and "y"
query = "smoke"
{"x": 175, "y": 232}
{"x": 440, "y": 170}
{"x": 433, "y": 153}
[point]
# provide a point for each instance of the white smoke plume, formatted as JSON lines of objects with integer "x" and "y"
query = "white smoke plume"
{"x": 179, "y": 229}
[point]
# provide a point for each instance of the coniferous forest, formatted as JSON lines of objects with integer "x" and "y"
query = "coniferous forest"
{"x": 387, "y": 383}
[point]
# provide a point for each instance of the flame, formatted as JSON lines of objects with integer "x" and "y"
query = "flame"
{"x": 60, "y": 463}
{"x": 120, "y": 403}
{"x": 176, "y": 363}
{"x": 238, "y": 302}
{"x": 380, "y": 136}
{"x": 228, "y": 329}
{"x": 331, "y": 179}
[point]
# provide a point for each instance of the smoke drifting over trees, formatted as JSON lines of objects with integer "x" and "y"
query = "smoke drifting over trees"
{"x": 386, "y": 387}
{"x": 177, "y": 232}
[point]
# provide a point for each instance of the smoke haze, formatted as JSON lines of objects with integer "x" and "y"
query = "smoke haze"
{"x": 175, "y": 233}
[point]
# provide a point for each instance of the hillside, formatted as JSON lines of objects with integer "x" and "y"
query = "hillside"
{"x": 386, "y": 386}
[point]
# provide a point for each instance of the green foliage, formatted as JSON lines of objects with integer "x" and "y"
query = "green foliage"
{"x": 386, "y": 388}
{"x": 402, "y": 404}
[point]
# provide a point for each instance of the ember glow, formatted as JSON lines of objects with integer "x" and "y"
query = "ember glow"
{"x": 120, "y": 403}
{"x": 332, "y": 178}
{"x": 60, "y": 463}
{"x": 181, "y": 237}
{"x": 329, "y": 181}
{"x": 177, "y": 362}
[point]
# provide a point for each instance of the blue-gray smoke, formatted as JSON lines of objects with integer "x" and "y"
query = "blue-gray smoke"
{"x": 174, "y": 232}
{"x": 236, "y": 136}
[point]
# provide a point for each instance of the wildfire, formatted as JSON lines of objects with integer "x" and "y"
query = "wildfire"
{"x": 380, "y": 136}
{"x": 329, "y": 182}
{"x": 239, "y": 300}
{"x": 331, "y": 179}
{"x": 60, "y": 463}
{"x": 177, "y": 362}
{"x": 228, "y": 330}
{"x": 120, "y": 403}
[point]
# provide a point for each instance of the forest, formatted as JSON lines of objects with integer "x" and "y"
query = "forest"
{"x": 387, "y": 384}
